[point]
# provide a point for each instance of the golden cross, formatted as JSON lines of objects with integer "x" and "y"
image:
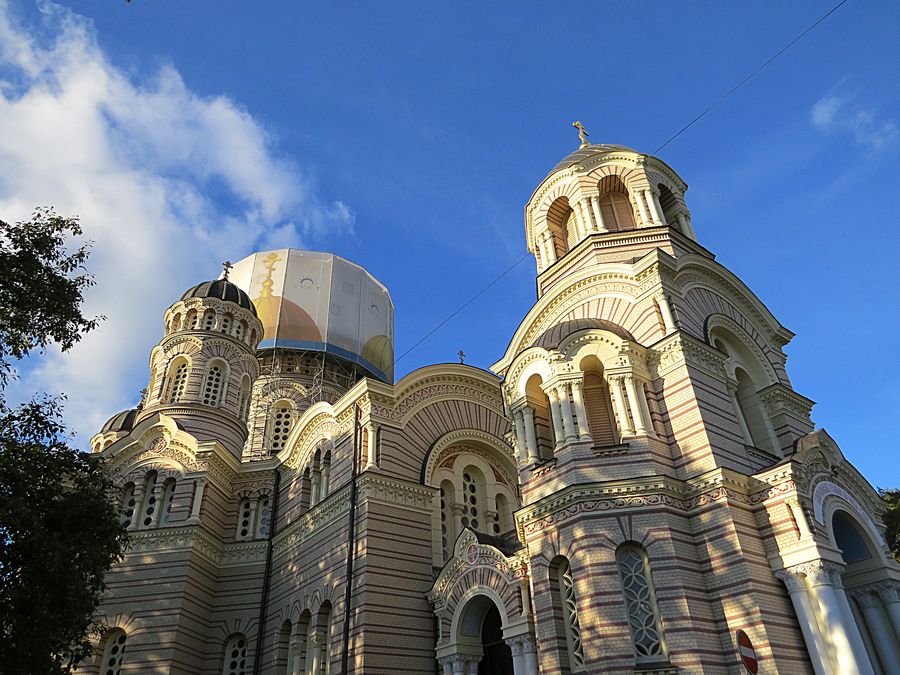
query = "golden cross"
{"x": 582, "y": 132}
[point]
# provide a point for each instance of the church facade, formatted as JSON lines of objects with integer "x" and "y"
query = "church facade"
{"x": 634, "y": 487}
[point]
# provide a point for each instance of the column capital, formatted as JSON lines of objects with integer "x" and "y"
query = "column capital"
{"x": 889, "y": 591}
{"x": 866, "y": 596}
{"x": 793, "y": 580}
{"x": 820, "y": 572}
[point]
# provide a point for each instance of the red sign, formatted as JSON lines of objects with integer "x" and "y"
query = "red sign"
{"x": 747, "y": 652}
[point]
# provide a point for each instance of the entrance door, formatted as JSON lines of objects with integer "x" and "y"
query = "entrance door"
{"x": 497, "y": 658}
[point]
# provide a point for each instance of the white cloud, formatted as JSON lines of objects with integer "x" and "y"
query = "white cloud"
{"x": 833, "y": 113}
{"x": 134, "y": 160}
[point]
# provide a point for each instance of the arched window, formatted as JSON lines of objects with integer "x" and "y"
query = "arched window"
{"x": 235, "y": 655}
{"x": 503, "y": 522}
{"x": 280, "y": 425}
{"x": 848, "y": 538}
{"x": 562, "y": 227}
{"x": 178, "y": 376}
{"x": 615, "y": 206}
{"x": 176, "y": 322}
{"x": 263, "y": 517}
{"x": 209, "y": 320}
{"x": 167, "y": 501}
{"x": 543, "y": 423}
{"x": 305, "y": 489}
{"x": 239, "y": 328}
{"x": 597, "y": 404}
{"x": 244, "y": 398}
{"x": 283, "y": 664}
{"x": 565, "y": 610}
{"x": 226, "y": 324}
{"x": 751, "y": 410}
{"x": 148, "y": 507}
{"x": 326, "y": 475}
{"x": 473, "y": 500}
{"x": 448, "y": 533}
{"x": 214, "y": 386}
{"x": 128, "y": 505}
{"x": 245, "y": 519}
{"x": 192, "y": 320}
{"x": 640, "y": 603}
{"x": 320, "y": 662}
{"x": 113, "y": 652}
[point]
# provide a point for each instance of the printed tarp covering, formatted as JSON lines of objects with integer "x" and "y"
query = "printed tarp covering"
{"x": 320, "y": 302}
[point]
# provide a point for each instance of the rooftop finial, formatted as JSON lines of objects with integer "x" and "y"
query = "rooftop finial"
{"x": 462, "y": 356}
{"x": 582, "y": 132}
{"x": 227, "y": 267}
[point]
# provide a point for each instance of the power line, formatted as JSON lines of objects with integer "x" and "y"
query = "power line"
{"x": 751, "y": 75}
{"x": 463, "y": 306}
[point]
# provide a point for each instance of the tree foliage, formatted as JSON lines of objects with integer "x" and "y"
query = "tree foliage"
{"x": 891, "y": 499}
{"x": 59, "y": 530}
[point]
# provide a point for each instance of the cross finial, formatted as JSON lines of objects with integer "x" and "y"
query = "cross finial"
{"x": 582, "y": 132}
{"x": 144, "y": 393}
{"x": 227, "y": 267}
{"x": 462, "y": 356}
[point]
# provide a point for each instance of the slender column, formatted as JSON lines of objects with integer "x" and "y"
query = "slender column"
{"x": 584, "y": 207}
{"x": 530, "y": 435}
{"x": 890, "y": 596}
{"x": 521, "y": 443}
{"x": 598, "y": 214}
{"x": 566, "y": 405}
{"x": 685, "y": 225}
{"x": 472, "y": 665}
{"x": 530, "y": 653}
{"x": 668, "y": 320}
{"x": 738, "y": 413}
{"x": 850, "y": 653}
{"x": 137, "y": 516}
{"x": 157, "y": 504}
{"x": 635, "y": 406}
{"x": 580, "y": 226}
{"x": 645, "y": 407}
{"x": 885, "y": 641}
{"x": 619, "y": 402}
{"x": 251, "y": 533}
{"x": 295, "y": 651}
{"x": 816, "y": 645}
{"x": 655, "y": 206}
{"x": 555, "y": 413}
{"x": 584, "y": 431}
{"x": 518, "y": 658}
{"x": 313, "y": 653}
{"x": 199, "y": 486}
{"x": 446, "y": 664}
{"x": 315, "y": 482}
{"x": 371, "y": 445}
{"x": 642, "y": 208}
{"x": 326, "y": 475}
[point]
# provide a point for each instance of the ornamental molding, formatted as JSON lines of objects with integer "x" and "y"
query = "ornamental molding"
{"x": 446, "y": 459}
{"x": 717, "y": 320}
{"x": 460, "y": 440}
{"x": 826, "y": 489}
{"x": 469, "y": 555}
{"x": 310, "y": 523}
{"x": 379, "y": 488}
{"x": 179, "y": 343}
{"x": 322, "y": 426}
{"x": 680, "y": 348}
{"x": 439, "y": 388}
{"x": 652, "y": 492}
{"x": 778, "y": 398}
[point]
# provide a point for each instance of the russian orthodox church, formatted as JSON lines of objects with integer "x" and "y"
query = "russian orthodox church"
{"x": 633, "y": 487}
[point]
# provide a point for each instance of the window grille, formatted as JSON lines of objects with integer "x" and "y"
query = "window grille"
{"x": 179, "y": 383}
{"x": 212, "y": 392}
{"x": 235, "y": 656}
{"x": 640, "y": 601}
{"x": 112, "y": 655}
{"x": 470, "y": 502}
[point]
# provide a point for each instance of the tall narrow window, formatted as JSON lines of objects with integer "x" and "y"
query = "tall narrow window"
{"x": 209, "y": 320}
{"x": 566, "y": 610}
{"x": 235, "y": 655}
{"x": 447, "y": 534}
{"x": 214, "y": 386}
{"x": 640, "y": 602}
{"x": 281, "y": 421}
{"x": 148, "y": 509}
{"x": 113, "y": 652}
{"x": 226, "y": 324}
{"x": 598, "y": 408}
{"x": 471, "y": 496}
{"x": 167, "y": 501}
{"x": 178, "y": 375}
{"x": 128, "y": 505}
{"x": 263, "y": 517}
{"x": 239, "y": 330}
{"x": 615, "y": 206}
{"x": 244, "y": 399}
{"x": 245, "y": 516}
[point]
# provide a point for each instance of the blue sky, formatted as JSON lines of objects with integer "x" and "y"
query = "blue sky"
{"x": 407, "y": 136}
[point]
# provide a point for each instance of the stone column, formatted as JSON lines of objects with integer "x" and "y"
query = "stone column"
{"x": 137, "y": 515}
{"x": 324, "y": 488}
{"x": 295, "y": 650}
{"x": 446, "y": 664}
{"x": 566, "y": 409}
{"x": 315, "y": 482}
{"x": 883, "y": 637}
{"x": 530, "y": 435}
{"x": 157, "y": 502}
{"x": 313, "y": 653}
{"x": 549, "y": 249}
{"x": 598, "y": 214}
{"x": 890, "y": 596}
{"x": 584, "y": 429}
{"x": 642, "y": 209}
{"x": 558, "y": 430}
{"x": 583, "y": 220}
{"x": 655, "y": 206}
{"x": 816, "y": 645}
{"x": 618, "y": 396}
{"x": 668, "y": 320}
{"x": 686, "y": 227}
{"x": 645, "y": 407}
{"x": 371, "y": 446}
{"x": 635, "y": 406}
{"x": 738, "y": 413}
{"x": 518, "y": 658}
{"x": 849, "y": 650}
{"x": 529, "y": 651}
{"x": 199, "y": 486}
{"x": 521, "y": 443}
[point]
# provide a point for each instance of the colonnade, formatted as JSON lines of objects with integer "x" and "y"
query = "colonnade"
{"x": 308, "y": 650}
{"x": 569, "y": 414}
{"x": 524, "y": 658}
{"x": 827, "y": 619}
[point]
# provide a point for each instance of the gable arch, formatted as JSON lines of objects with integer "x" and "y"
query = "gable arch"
{"x": 496, "y": 447}
{"x": 753, "y": 357}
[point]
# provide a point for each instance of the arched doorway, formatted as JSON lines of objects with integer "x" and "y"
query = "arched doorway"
{"x": 497, "y": 658}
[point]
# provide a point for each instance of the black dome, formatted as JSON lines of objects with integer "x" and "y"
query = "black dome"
{"x": 123, "y": 421}
{"x": 223, "y": 290}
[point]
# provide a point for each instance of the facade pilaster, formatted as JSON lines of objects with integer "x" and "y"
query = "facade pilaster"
{"x": 584, "y": 431}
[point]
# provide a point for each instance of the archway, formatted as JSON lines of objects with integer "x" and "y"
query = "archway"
{"x": 497, "y": 658}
